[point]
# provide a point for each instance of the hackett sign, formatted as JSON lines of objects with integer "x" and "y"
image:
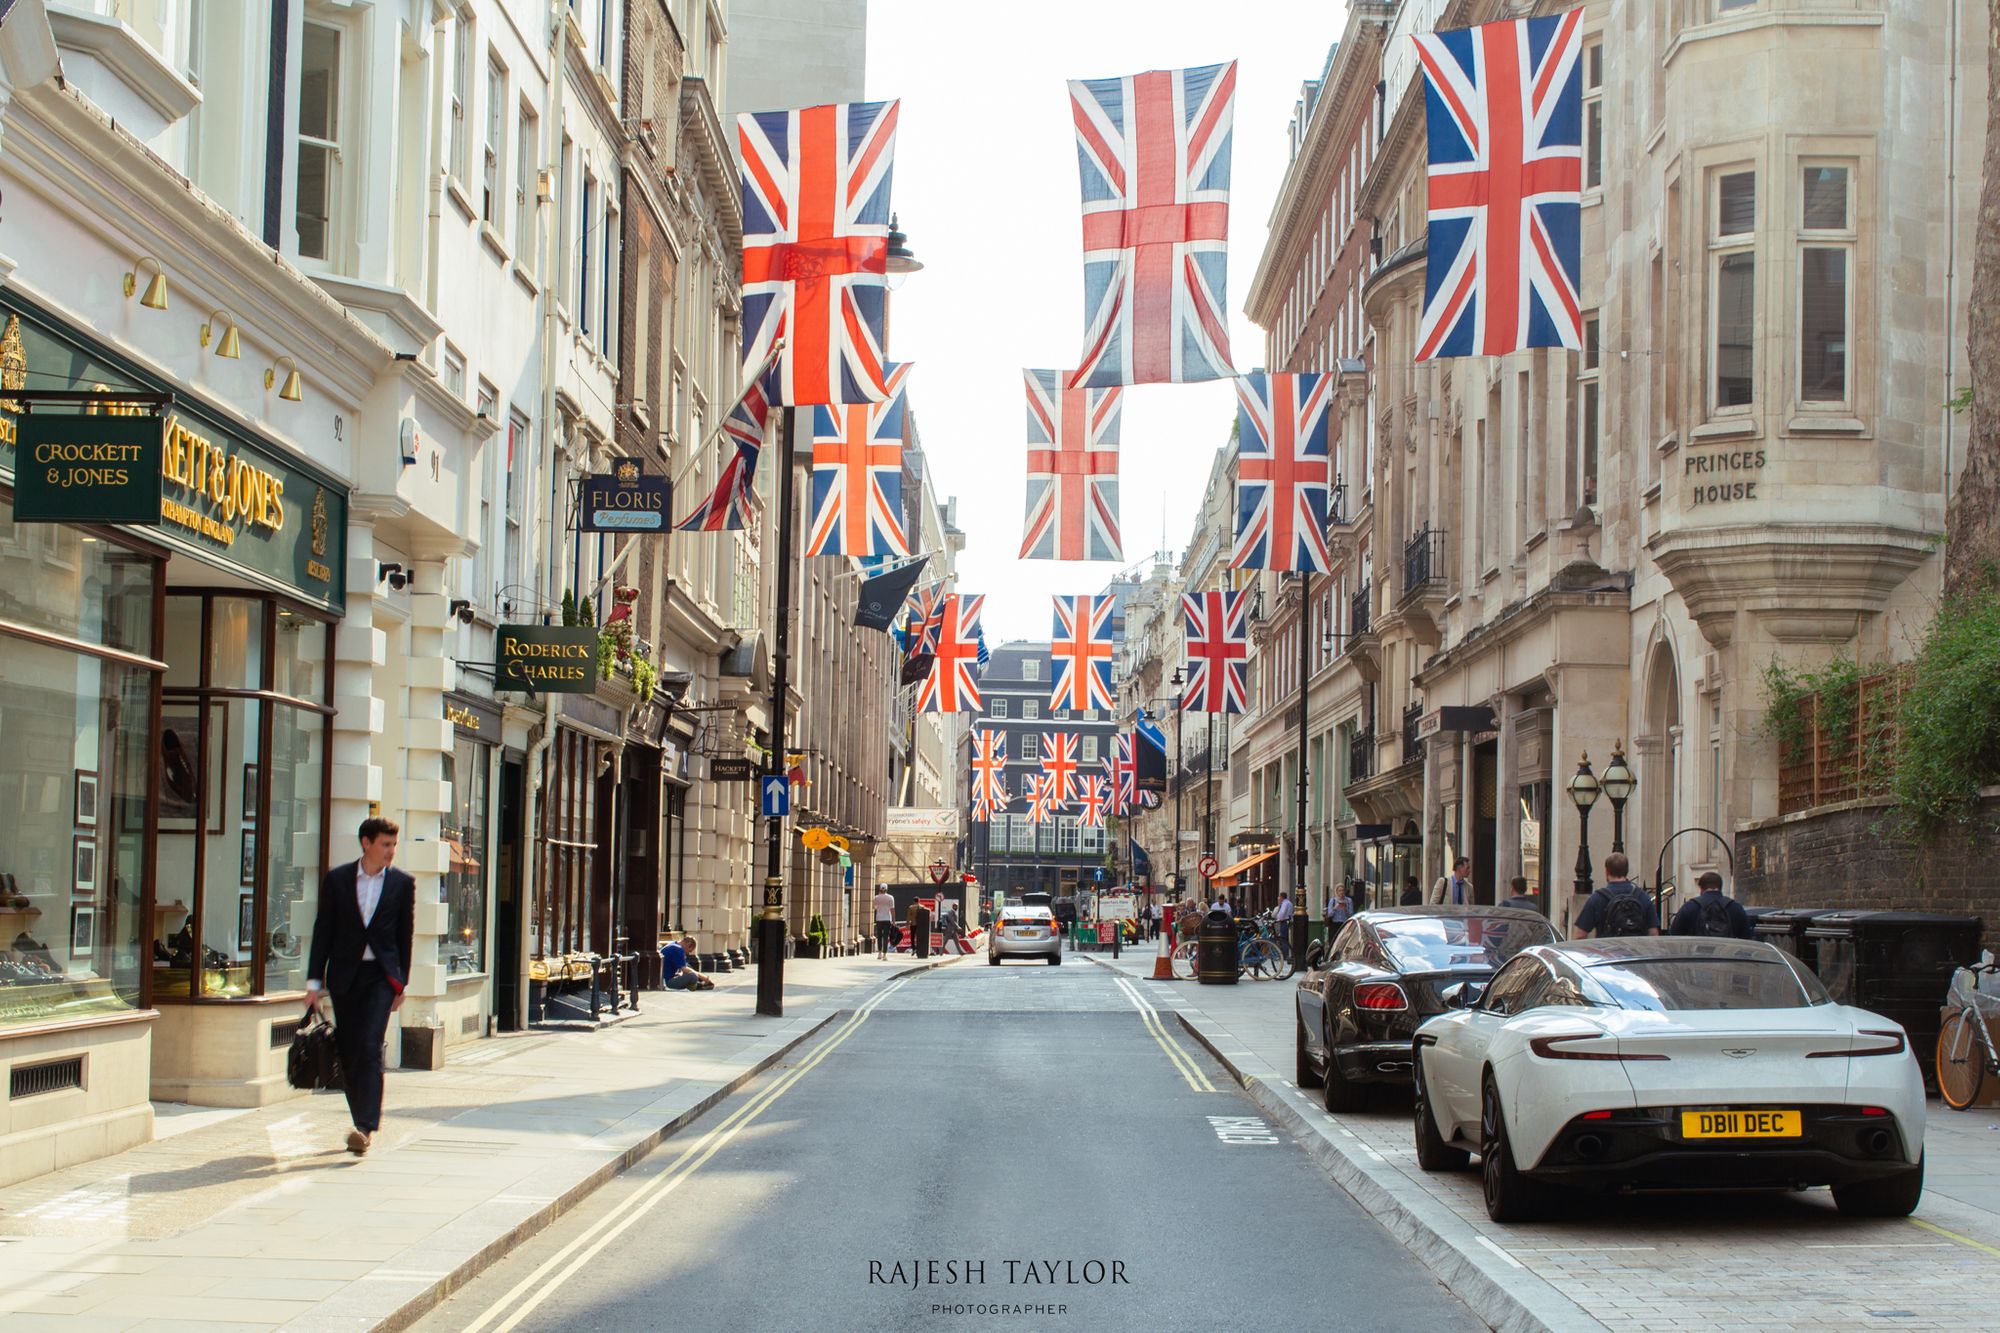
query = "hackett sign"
{"x": 87, "y": 469}
{"x": 545, "y": 659}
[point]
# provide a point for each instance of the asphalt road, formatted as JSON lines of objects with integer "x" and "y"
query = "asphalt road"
{"x": 1016, "y": 1147}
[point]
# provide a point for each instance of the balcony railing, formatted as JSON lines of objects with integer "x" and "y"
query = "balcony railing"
{"x": 1357, "y": 608}
{"x": 1412, "y": 746}
{"x": 1361, "y": 756}
{"x": 1423, "y": 561}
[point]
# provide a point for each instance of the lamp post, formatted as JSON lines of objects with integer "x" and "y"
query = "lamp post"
{"x": 898, "y": 263}
{"x": 1618, "y": 783}
{"x": 1583, "y": 789}
{"x": 1179, "y": 777}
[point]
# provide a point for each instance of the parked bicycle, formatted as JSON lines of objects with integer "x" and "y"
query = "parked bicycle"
{"x": 1967, "y": 1054}
{"x": 1257, "y": 953}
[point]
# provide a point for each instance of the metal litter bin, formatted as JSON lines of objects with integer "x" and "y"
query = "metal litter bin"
{"x": 1786, "y": 927}
{"x": 1215, "y": 950}
{"x": 1896, "y": 964}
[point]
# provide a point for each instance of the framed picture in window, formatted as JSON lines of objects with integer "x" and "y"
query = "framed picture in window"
{"x": 82, "y": 930}
{"x": 246, "y": 922}
{"x": 249, "y": 793}
{"x": 249, "y": 876}
{"x": 84, "y": 798}
{"x": 182, "y": 771}
{"x": 83, "y": 865}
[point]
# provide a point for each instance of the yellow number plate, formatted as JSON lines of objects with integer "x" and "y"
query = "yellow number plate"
{"x": 1742, "y": 1125}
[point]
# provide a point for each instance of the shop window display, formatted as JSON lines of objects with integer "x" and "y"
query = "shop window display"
{"x": 75, "y": 726}
{"x": 463, "y": 948}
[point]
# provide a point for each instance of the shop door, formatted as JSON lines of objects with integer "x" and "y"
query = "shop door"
{"x": 507, "y": 908}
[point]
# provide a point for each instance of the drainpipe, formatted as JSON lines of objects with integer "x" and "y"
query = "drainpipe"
{"x": 1950, "y": 242}
{"x": 547, "y": 591}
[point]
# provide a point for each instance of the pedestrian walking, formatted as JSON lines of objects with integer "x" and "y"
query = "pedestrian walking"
{"x": 1620, "y": 908}
{"x": 1339, "y": 911}
{"x": 361, "y": 960}
{"x": 1456, "y": 888}
{"x": 1520, "y": 897}
{"x": 885, "y": 921}
{"x": 1712, "y": 912}
{"x": 1283, "y": 917}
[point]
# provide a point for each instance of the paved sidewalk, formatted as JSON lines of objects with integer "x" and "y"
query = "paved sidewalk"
{"x": 1766, "y": 1262}
{"x": 260, "y": 1219}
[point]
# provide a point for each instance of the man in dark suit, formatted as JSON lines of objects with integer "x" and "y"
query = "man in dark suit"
{"x": 361, "y": 958}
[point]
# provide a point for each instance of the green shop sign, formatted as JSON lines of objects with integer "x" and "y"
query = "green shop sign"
{"x": 224, "y": 496}
{"x": 545, "y": 659}
{"x": 96, "y": 468}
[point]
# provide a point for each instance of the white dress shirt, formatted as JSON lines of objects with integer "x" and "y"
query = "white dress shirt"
{"x": 368, "y": 893}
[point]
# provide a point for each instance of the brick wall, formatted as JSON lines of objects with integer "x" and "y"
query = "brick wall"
{"x": 1848, "y": 856}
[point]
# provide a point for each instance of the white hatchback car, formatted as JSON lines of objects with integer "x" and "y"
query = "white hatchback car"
{"x": 1025, "y": 932}
{"x": 1667, "y": 1062}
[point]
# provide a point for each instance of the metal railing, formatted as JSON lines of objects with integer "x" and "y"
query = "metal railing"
{"x": 1357, "y": 609}
{"x": 1361, "y": 756}
{"x": 1412, "y": 746}
{"x": 1423, "y": 561}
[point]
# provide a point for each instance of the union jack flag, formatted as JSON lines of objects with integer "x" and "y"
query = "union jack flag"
{"x": 1072, "y": 471}
{"x": 1081, "y": 652}
{"x": 815, "y": 248}
{"x": 1042, "y": 803}
{"x": 1282, "y": 459}
{"x": 1153, "y": 151}
{"x": 1095, "y": 801}
{"x": 950, "y": 687}
{"x": 729, "y": 506}
{"x": 1118, "y": 768}
{"x": 857, "y": 481}
{"x": 930, "y": 617}
{"x": 1059, "y": 764}
{"x": 989, "y": 770}
{"x": 1504, "y": 103}
{"x": 1218, "y": 651}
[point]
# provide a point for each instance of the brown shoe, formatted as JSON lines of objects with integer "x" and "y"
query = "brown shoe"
{"x": 357, "y": 1142}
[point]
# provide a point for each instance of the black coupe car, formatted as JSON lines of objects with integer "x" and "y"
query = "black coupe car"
{"x": 1360, "y": 1006}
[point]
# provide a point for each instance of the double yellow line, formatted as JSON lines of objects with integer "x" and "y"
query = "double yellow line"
{"x": 1180, "y": 1059}
{"x": 529, "y": 1293}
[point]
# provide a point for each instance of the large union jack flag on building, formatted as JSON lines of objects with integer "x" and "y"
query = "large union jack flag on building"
{"x": 815, "y": 248}
{"x": 857, "y": 480}
{"x": 1094, "y": 801}
{"x": 1153, "y": 151}
{"x": 1118, "y": 768}
{"x": 1072, "y": 471}
{"x": 1505, "y": 116}
{"x": 1283, "y": 455}
{"x": 950, "y": 687}
{"x": 1059, "y": 764}
{"x": 1218, "y": 651}
{"x": 1080, "y": 651}
{"x": 989, "y": 772}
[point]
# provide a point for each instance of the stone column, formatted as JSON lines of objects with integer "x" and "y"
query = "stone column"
{"x": 427, "y": 738}
{"x": 1506, "y": 800}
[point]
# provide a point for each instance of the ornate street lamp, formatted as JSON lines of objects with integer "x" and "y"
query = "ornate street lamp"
{"x": 1583, "y": 790}
{"x": 1179, "y": 778}
{"x": 1618, "y": 783}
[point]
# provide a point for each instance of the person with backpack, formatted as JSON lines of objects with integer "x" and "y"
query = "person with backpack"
{"x": 1712, "y": 913}
{"x": 1620, "y": 908}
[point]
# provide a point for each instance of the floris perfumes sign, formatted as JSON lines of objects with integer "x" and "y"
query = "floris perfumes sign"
{"x": 545, "y": 659}
{"x": 99, "y": 468}
{"x": 625, "y": 501}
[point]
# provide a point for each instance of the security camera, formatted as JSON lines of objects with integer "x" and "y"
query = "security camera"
{"x": 462, "y": 608}
{"x": 393, "y": 575}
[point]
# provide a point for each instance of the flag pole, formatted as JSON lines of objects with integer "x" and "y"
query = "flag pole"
{"x": 771, "y": 925}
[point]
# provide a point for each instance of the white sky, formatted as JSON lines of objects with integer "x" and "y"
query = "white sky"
{"x": 986, "y": 187}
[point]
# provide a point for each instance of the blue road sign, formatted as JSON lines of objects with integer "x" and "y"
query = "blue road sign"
{"x": 777, "y": 796}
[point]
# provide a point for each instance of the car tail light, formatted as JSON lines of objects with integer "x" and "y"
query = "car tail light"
{"x": 1380, "y": 995}
{"x": 1874, "y": 1110}
{"x": 1893, "y": 1045}
{"x": 1596, "y": 1115}
{"x": 1550, "y": 1048}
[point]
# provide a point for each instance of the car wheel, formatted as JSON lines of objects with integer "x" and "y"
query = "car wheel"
{"x": 1510, "y": 1196}
{"x": 1892, "y": 1196}
{"x": 1433, "y": 1153}
{"x": 1307, "y": 1076}
{"x": 1340, "y": 1092}
{"x": 1055, "y": 959}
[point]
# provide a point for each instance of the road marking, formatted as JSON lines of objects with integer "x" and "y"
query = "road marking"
{"x": 529, "y": 1293}
{"x": 1180, "y": 1059}
{"x": 1502, "y": 1253}
{"x": 1953, "y": 1235}
{"x": 1885, "y": 1245}
{"x": 1241, "y": 1129}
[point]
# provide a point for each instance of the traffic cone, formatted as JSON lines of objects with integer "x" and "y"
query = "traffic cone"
{"x": 1163, "y": 963}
